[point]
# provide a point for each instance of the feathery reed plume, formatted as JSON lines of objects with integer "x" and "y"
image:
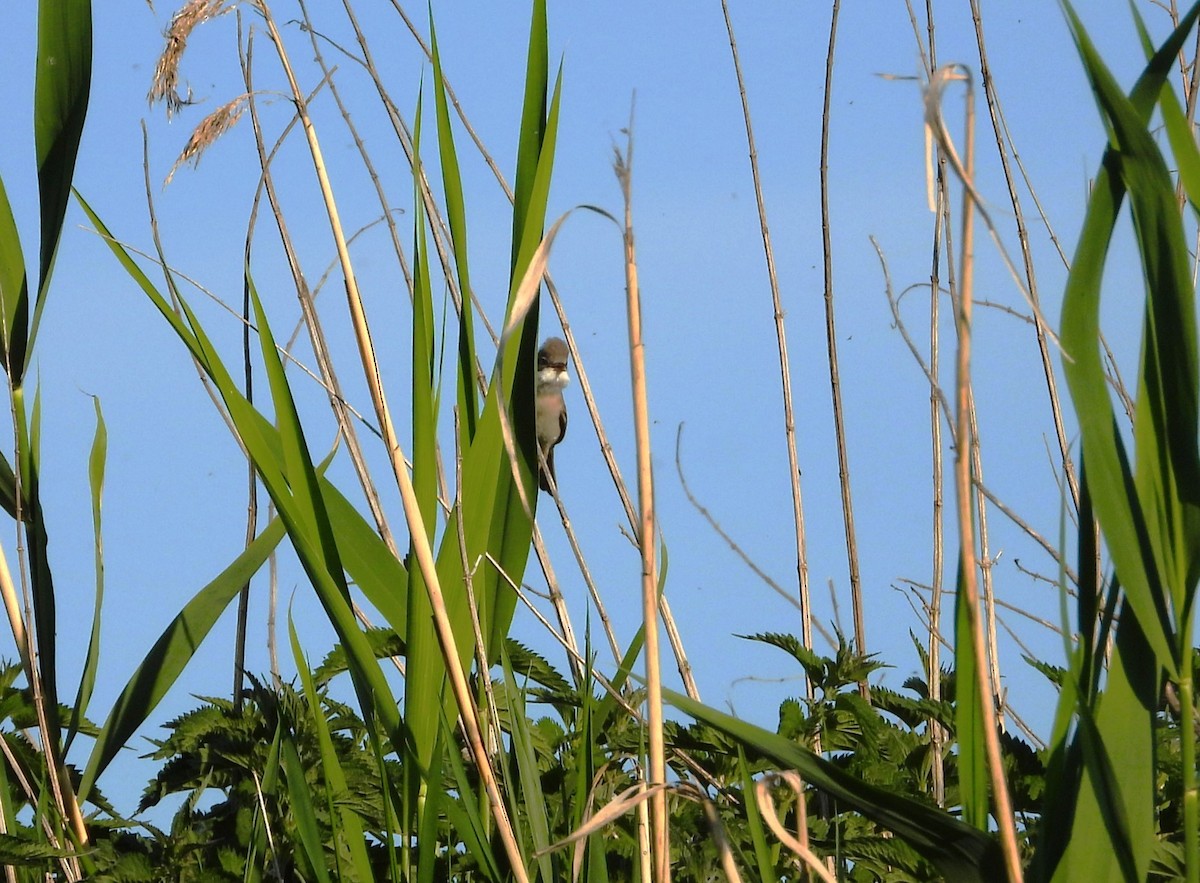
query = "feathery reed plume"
{"x": 165, "y": 85}
{"x": 210, "y": 129}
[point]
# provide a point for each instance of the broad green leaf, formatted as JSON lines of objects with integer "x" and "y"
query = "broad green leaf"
{"x": 494, "y": 521}
{"x": 63, "y": 81}
{"x": 1150, "y": 513}
{"x": 172, "y": 652}
{"x": 364, "y": 554}
{"x": 282, "y": 460}
{"x": 426, "y": 666}
{"x": 1133, "y": 541}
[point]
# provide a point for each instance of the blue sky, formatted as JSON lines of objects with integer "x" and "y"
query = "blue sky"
{"x": 175, "y": 503}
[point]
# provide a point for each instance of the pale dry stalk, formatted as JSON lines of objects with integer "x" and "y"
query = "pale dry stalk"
{"x": 964, "y": 486}
{"x": 659, "y": 822}
{"x": 412, "y": 511}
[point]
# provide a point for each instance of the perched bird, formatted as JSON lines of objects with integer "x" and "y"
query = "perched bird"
{"x": 552, "y": 379}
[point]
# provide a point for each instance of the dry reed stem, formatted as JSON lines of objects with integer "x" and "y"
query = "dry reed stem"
{"x": 835, "y": 382}
{"x": 165, "y": 82}
{"x": 660, "y": 829}
{"x": 785, "y": 371}
{"x": 316, "y": 334}
{"x": 717, "y": 830}
{"x": 169, "y": 275}
{"x": 360, "y": 146}
{"x": 585, "y": 571}
{"x": 937, "y": 733}
{"x": 437, "y": 224}
{"x": 962, "y": 460}
{"x": 999, "y": 130}
{"x": 412, "y": 510}
{"x": 938, "y": 503}
{"x": 558, "y": 602}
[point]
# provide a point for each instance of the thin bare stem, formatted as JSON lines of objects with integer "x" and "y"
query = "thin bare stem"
{"x": 835, "y": 383}
{"x": 1000, "y": 132}
{"x": 312, "y": 322}
{"x": 785, "y": 371}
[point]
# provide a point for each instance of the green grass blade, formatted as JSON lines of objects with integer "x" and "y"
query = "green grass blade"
{"x": 533, "y": 122}
{"x": 14, "y": 288}
{"x": 87, "y": 680}
{"x": 425, "y": 678}
{"x": 1145, "y": 559}
{"x": 172, "y": 652}
{"x": 301, "y": 506}
{"x": 281, "y": 457}
{"x": 532, "y": 799}
{"x": 968, "y": 715}
{"x": 494, "y": 520}
{"x": 456, "y": 217}
{"x": 63, "y": 81}
{"x": 347, "y": 826}
{"x": 466, "y": 820}
{"x": 302, "y": 810}
{"x": 517, "y": 526}
{"x": 1150, "y": 514}
{"x": 764, "y": 855}
{"x": 45, "y": 611}
{"x": 960, "y": 852}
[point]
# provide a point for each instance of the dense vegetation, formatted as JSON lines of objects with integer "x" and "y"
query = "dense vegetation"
{"x": 435, "y": 747}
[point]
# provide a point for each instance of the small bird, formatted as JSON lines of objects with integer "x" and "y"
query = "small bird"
{"x": 552, "y": 379}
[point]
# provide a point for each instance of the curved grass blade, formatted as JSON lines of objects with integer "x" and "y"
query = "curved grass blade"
{"x": 1134, "y": 543}
{"x": 532, "y": 798}
{"x": 172, "y": 652}
{"x": 87, "y": 680}
{"x": 346, "y": 825}
{"x": 959, "y": 851}
{"x": 372, "y": 566}
{"x": 285, "y": 467}
{"x": 14, "y": 288}
{"x": 302, "y": 509}
{"x": 302, "y": 810}
{"x": 45, "y": 613}
{"x": 1150, "y": 514}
